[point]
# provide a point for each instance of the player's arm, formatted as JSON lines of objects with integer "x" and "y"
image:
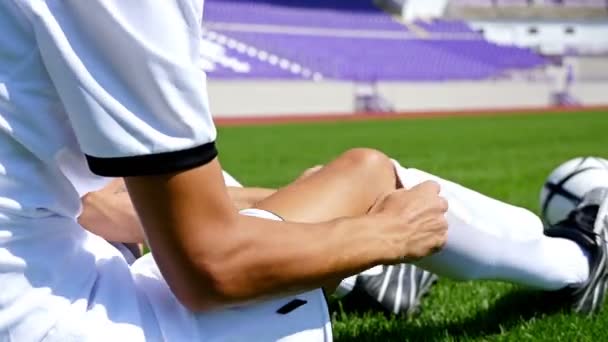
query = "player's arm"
{"x": 110, "y": 214}
{"x": 212, "y": 256}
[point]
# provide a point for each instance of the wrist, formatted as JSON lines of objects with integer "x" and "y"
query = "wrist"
{"x": 386, "y": 246}
{"x": 368, "y": 240}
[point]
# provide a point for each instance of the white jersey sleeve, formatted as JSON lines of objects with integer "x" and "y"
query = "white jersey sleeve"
{"x": 127, "y": 74}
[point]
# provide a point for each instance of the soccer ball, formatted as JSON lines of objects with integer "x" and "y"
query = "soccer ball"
{"x": 568, "y": 183}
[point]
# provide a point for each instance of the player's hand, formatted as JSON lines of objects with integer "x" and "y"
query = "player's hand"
{"x": 413, "y": 221}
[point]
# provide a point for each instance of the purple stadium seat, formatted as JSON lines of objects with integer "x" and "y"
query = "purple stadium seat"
{"x": 346, "y": 40}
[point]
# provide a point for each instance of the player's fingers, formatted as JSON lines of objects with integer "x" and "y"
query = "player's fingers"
{"x": 439, "y": 244}
{"x": 435, "y": 224}
{"x": 436, "y": 237}
{"x": 442, "y": 224}
{"x": 443, "y": 204}
{"x": 426, "y": 187}
{"x": 442, "y": 238}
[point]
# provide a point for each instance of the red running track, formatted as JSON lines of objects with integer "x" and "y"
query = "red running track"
{"x": 295, "y": 118}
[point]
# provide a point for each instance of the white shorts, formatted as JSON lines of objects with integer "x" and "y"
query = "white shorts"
{"x": 302, "y": 317}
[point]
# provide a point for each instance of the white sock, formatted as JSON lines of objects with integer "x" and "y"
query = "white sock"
{"x": 489, "y": 239}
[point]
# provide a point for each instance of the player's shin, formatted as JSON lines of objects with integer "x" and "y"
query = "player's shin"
{"x": 489, "y": 239}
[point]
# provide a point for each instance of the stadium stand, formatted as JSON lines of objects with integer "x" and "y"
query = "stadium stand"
{"x": 525, "y": 3}
{"x": 397, "y": 55}
{"x": 346, "y": 40}
{"x": 526, "y": 9}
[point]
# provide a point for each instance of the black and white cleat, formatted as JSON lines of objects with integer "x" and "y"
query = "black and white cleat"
{"x": 398, "y": 288}
{"x": 587, "y": 225}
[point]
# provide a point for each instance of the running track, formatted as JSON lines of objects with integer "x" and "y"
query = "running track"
{"x": 294, "y": 118}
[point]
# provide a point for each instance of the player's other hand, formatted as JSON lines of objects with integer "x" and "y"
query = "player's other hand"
{"x": 412, "y": 222}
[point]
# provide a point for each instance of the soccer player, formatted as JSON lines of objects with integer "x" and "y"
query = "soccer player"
{"x": 399, "y": 288}
{"x": 112, "y": 88}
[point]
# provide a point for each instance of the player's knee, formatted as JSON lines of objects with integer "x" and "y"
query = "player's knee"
{"x": 369, "y": 161}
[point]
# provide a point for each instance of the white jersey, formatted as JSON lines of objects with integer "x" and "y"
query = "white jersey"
{"x": 112, "y": 87}
{"x": 112, "y": 84}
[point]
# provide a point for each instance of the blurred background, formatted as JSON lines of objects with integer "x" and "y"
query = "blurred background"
{"x": 316, "y": 57}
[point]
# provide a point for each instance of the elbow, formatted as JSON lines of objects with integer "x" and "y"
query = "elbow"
{"x": 216, "y": 286}
{"x": 210, "y": 270}
{"x": 208, "y": 294}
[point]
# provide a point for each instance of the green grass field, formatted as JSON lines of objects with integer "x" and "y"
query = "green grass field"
{"x": 507, "y": 157}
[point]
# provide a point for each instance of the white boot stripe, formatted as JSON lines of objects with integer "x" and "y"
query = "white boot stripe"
{"x": 385, "y": 281}
{"x": 594, "y": 280}
{"x": 424, "y": 277}
{"x": 399, "y": 294}
{"x": 413, "y": 288}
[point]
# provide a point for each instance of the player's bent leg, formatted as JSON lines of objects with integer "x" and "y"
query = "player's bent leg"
{"x": 347, "y": 186}
{"x": 488, "y": 239}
